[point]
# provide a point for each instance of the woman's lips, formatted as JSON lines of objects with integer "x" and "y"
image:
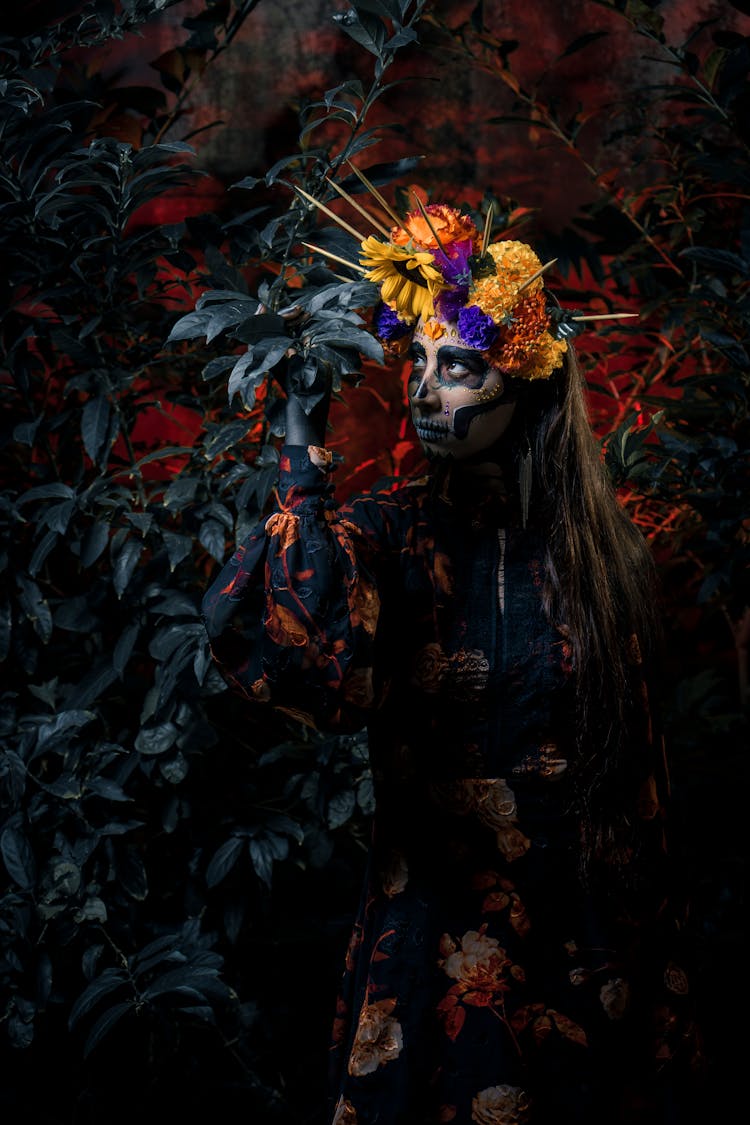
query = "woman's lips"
{"x": 429, "y": 432}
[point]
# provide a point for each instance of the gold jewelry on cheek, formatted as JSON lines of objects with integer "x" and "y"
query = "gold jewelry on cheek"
{"x": 486, "y": 394}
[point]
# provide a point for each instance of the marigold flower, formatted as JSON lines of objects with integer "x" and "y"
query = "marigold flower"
{"x": 546, "y": 357}
{"x": 449, "y": 224}
{"x": 515, "y": 263}
{"x": 517, "y": 338}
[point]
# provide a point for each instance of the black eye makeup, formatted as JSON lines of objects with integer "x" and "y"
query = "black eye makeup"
{"x": 455, "y": 366}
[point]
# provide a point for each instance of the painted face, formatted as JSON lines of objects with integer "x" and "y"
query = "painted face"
{"x": 459, "y": 403}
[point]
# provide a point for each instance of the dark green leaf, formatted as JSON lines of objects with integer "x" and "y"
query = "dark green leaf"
{"x": 35, "y": 607}
{"x": 262, "y": 859}
{"x": 95, "y": 426}
{"x": 583, "y": 41}
{"x": 178, "y": 547}
{"x": 93, "y": 685}
{"x": 125, "y": 564}
{"x": 105, "y": 787}
{"x": 18, "y": 857}
{"x": 57, "y": 516}
{"x": 104, "y": 1024}
{"x": 43, "y": 548}
{"x": 223, "y": 860}
{"x": 55, "y": 491}
{"x": 131, "y": 875}
{"x": 212, "y": 537}
{"x": 190, "y": 326}
{"x": 717, "y": 258}
{"x": 94, "y": 542}
{"x": 156, "y": 740}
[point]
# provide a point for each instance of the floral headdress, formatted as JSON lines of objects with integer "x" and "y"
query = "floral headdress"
{"x": 433, "y": 266}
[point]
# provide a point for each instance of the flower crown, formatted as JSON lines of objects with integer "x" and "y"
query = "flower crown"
{"x": 434, "y": 266}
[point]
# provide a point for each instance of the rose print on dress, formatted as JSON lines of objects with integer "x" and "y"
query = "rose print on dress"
{"x": 345, "y": 1113}
{"x": 483, "y": 973}
{"x": 493, "y": 802}
{"x": 615, "y": 997}
{"x": 501, "y": 894}
{"x": 378, "y": 1040}
{"x": 500, "y": 1105}
{"x": 394, "y": 874}
{"x": 544, "y": 1022}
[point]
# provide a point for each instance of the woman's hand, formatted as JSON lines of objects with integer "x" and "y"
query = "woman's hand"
{"x": 307, "y": 429}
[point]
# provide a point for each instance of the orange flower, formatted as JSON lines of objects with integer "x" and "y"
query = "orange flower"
{"x": 547, "y": 355}
{"x": 519, "y": 337}
{"x": 434, "y": 329}
{"x": 449, "y": 224}
{"x": 498, "y": 294}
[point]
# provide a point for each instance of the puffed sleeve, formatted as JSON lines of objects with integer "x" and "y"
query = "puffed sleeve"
{"x": 291, "y": 617}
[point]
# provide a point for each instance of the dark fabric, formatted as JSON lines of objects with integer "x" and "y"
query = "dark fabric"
{"x": 483, "y": 982}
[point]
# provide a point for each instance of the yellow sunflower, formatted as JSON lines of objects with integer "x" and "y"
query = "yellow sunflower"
{"x": 408, "y": 279}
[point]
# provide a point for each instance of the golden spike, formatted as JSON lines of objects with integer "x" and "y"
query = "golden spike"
{"x": 487, "y": 226}
{"x": 336, "y": 258}
{"x": 604, "y": 316}
{"x": 358, "y": 207}
{"x": 332, "y": 215}
{"x": 376, "y": 195}
{"x": 426, "y": 218}
{"x": 538, "y": 273}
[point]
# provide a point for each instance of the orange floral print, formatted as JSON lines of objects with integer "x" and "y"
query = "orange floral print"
{"x": 283, "y": 627}
{"x": 394, "y": 875}
{"x": 345, "y": 1113}
{"x": 480, "y": 967}
{"x": 285, "y": 525}
{"x": 500, "y": 1105}
{"x": 378, "y": 1040}
{"x": 543, "y": 1022}
{"x": 430, "y": 667}
{"x": 615, "y": 997}
{"x": 493, "y": 802}
{"x": 676, "y": 979}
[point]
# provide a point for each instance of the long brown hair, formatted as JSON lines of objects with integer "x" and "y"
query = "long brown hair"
{"x": 601, "y": 585}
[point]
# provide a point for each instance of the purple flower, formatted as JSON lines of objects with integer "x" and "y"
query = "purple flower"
{"x": 455, "y": 269}
{"x": 450, "y": 302}
{"x": 388, "y": 325}
{"x": 476, "y": 328}
{"x": 454, "y": 266}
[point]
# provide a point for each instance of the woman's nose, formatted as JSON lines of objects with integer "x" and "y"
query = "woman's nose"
{"x": 425, "y": 385}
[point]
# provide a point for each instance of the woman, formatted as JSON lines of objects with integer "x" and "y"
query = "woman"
{"x": 493, "y": 624}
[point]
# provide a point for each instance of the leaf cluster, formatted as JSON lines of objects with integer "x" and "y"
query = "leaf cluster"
{"x": 135, "y": 887}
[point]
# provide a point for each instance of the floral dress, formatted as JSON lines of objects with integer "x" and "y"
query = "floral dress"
{"x": 483, "y": 982}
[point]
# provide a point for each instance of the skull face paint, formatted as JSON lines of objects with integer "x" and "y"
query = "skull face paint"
{"x": 460, "y": 405}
